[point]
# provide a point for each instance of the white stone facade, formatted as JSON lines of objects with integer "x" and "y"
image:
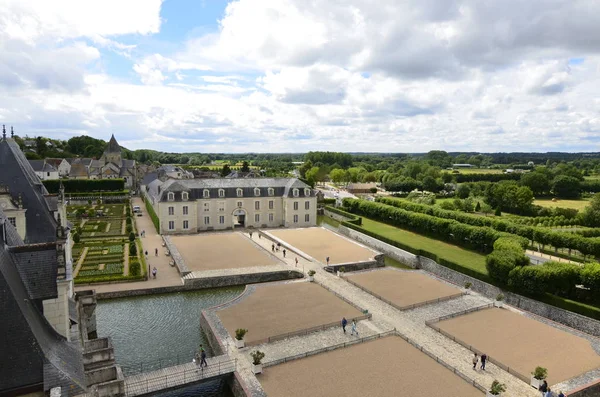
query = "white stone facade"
{"x": 56, "y": 310}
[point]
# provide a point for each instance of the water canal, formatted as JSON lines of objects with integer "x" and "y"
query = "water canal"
{"x": 155, "y": 331}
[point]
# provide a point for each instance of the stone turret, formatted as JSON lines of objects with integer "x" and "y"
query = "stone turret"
{"x": 112, "y": 153}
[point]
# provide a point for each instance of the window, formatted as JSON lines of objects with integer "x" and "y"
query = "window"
{"x": 295, "y": 206}
{"x": 221, "y": 193}
{"x": 296, "y": 192}
{"x": 271, "y": 204}
{"x": 239, "y": 204}
{"x": 185, "y": 196}
{"x": 295, "y": 218}
{"x": 13, "y": 221}
{"x": 206, "y": 207}
{"x": 256, "y": 218}
{"x": 256, "y": 191}
{"x": 48, "y": 174}
{"x": 271, "y": 217}
{"x": 171, "y": 210}
{"x": 221, "y": 206}
{"x": 207, "y": 220}
{"x": 306, "y": 218}
{"x": 257, "y": 205}
{"x": 307, "y": 205}
{"x": 221, "y": 219}
{"x": 271, "y": 191}
{"x": 185, "y": 210}
{"x": 171, "y": 225}
{"x": 206, "y": 193}
{"x": 186, "y": 225}
{"x": 307, "y": 192}
{"x": 171, "y": 196}
{"x": 240, "y": 193}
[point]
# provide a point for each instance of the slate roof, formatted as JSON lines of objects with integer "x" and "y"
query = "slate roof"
{"x": 38, "y": 269}
{"x": 78, "y": 170}
{"x": 52, "y": 202}
{"x": 81, "y": 160}
{"x": 149, "y": 177}
{"x": 20, "y": 177}
{"x": 42, "y": 166}
{"x": 113, "y": 146}
{"x": 195, "y": 187}
{"x": 54, "y": 162}
{"x": 29, "y": 343}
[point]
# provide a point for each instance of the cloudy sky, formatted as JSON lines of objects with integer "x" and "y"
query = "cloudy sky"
{"x": 297, "y": 75}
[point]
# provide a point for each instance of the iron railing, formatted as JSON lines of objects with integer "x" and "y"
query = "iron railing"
{"x": 177, "y": 376}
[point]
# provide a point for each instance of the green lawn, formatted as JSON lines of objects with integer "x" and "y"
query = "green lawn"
{"x": 575, "y": 204}
{"x": 479, "y": 171}
{"x": 453, "y": 253}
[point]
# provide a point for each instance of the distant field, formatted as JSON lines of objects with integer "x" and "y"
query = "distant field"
{"x": 478, "y": 171}
{"x": 575, "y": 204}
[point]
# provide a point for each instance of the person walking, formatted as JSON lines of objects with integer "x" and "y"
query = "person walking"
{"x": 250, "y": 234}
{"x": 155, "y": 252}
{"x": 146, "y": 253}
{"x": 354, "y": 330}
{"x": 273, "y": 247}
{"x": 327, "y": 260}
{"x": 544, "y": 388}
{"x": 344, "y": 323}
{"x": 561, "y": 394}
{"x": 203, "y": 357}
{"x": 259, "y": 236}
{"x": 483, "y": 360}
{"x": 296, "y": 261}
{"x": 284, "y": 252}
{"x": 197, "y": 361}
{"x": 475, "y": 361}
{"x": 154, "y": 272}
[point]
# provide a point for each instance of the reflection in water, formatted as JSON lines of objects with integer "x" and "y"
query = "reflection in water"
{"x": 156, "y": 331}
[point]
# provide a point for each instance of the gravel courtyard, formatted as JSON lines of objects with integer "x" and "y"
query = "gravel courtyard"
{"x": 523, "y": 343}
{"x": 278, "y": 309}
{"x": 321, "y": 243}
{"x": 403, "y": 288}
{"x": 213, "y": 251}
{"x": 384, "y": 367}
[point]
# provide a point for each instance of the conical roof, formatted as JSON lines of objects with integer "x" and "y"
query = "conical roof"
{"x": 113, "y": 146}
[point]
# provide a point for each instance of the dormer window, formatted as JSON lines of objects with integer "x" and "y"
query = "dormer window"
{"x": 271, "y": 191}
{"x": 185, "y": 196}
{"x": 206, "y": 193}
{"x": 221, "y": 192}
{"x": 256, "y": 191}
{"x": 307, "y": 192}
{"x": 296, "y": 192}
{"x": 171, "y": 196}
{"x": 240, "y": 193}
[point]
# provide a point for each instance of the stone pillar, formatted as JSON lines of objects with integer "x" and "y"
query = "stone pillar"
{"x": 86, "y": 303}
{"x": 56, "y": 310}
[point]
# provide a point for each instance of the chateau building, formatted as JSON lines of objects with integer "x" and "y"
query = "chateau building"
{"x": 192, "y": 205}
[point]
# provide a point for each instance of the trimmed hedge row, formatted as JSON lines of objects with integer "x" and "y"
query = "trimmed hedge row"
{"x": 481, "y": 238}
{"x": 585, "y": 245}
{"x": 508, "y": 254}
{"x": 461, "y": 178}
{"x": 98, "y": 194}
{"x": 85, "y": 185}
{"x": 357, "y": 220}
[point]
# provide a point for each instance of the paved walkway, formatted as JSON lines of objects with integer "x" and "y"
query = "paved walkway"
{"x": 541, "y": 257}
{"x": 166, "y": 275}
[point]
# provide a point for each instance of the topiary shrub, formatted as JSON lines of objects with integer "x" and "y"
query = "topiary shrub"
{"x": 76, "y": 238}
{"x": 498, "y": 212}
{"x": 240, "y": 333}
{"x": 129, "y": 229}
{"x": 131, "y": 236}
{"x": 135, "y": 269}
{"x": 132, "y": 250}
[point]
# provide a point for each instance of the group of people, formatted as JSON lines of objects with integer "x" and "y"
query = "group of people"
{"x": 200, "y": 358}
{"x": 353, "y": 329}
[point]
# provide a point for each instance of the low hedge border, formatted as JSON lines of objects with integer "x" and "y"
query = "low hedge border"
{"x": 354, "y": 219}
{"x": 152, "y": 214}
{"x": 106, "y": 279}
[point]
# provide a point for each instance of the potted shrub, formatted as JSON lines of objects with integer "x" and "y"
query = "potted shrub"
{"x": 496, "y": 389}
{"x": 239, "y": 337}
{"x": 311, "y": 275}
{"x": 498, "y": 301}
{"x": 257, "y": 357}
{"x": 341, "y": 271}
{"x": 467, "y": 287}
{"x": 538, "y": 376}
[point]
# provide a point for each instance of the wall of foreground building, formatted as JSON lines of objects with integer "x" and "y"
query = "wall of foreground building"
{"x": 56, "y": 310}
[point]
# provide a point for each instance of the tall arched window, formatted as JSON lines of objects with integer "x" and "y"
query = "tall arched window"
{"x": 185, "y": 196}
{"x": 221, "y": 192}
{"x": 271, "y": 191}
{"x": 307, "y": 192}
{"x": 206, "y": 193}
{"x": 171, "y": 196}
{"x": 296, "y": 192}
{"x": 240, "y": 192}
{"x": 256, "y": 191}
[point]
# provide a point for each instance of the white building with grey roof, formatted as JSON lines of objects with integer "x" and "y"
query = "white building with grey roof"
{"x": 192, "y": 205}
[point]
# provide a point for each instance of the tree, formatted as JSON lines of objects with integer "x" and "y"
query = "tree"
{"x": 565, "y": 186}
{"x": 226, "y": 170}
{"x": 524, "y": 199}
{"x": 430, "y": 184}
{"x": 591, "y": 215}
{"x": 478, "y": 207}
{"x": 337, "y": 175}
{"x": 304, "y": 168}
{"x": 538, "y": 182}
{"x": 463, "y": 191}
{"x": 439, "y": 158}
{"x": 245, "y": 167}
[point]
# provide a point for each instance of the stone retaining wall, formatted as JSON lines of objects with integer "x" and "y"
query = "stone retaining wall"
{"x": 356, "y": 266}
{"x": 176, "y": 256}
{"x": 565, "y": 317}
{"x": 393, "y": 252}
{"x": 241, "y": 279}
{"x": 333, "y": 215}
{"x": 590, "y": 390}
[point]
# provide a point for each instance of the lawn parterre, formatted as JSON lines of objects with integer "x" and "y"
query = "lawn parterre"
{"x": 104, "y": 230}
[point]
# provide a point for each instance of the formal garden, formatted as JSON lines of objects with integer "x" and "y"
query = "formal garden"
{"x": 106, "y": 247}
{"x": 489, "y": 248}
